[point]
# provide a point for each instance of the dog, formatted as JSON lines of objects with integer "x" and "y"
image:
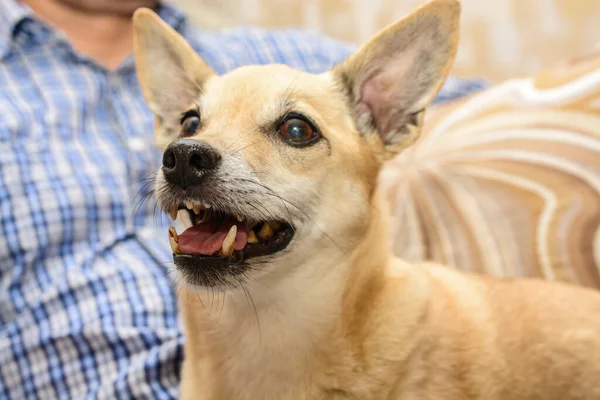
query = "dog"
{"x": 289, "y": 289}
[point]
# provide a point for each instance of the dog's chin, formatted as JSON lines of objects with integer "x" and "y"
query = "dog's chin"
{"x": 223, "y": 273}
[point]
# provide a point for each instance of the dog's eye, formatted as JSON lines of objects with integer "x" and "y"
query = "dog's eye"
{"x": 190, "y": 122}
{"x": 298, "y": 131}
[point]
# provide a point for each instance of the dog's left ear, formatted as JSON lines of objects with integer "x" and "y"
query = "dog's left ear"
{"x": 394, "y": 76}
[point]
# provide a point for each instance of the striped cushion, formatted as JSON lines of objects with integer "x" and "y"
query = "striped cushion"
{"x": 507, "y": 182}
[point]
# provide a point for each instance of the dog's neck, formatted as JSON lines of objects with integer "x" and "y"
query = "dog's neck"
{"x": 302, "y": 311}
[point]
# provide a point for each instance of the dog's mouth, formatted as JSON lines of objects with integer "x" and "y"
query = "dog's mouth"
{"x": 219, "y": 236}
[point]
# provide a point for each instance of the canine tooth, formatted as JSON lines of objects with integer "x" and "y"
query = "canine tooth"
{"x": 173, "y": 239}
{"x": 252, "y": 237}
{"x": 173, "y": 234}
{"x": 188, "y": 205}
{"x": 184, "y": 217}
{"x": 173, "y": 212}
{"x": 275, "y": 225}
{"x": 227, "y": 246}
{"x": 239, "y": 218}
{"x": 174, "y": 246}
{"x": 266, "y": 231}
{"x": 197, "y": 209}
{"x": 206, "y": 205}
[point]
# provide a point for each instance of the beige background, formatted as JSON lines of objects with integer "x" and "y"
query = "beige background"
{"x": 500, "y": 38}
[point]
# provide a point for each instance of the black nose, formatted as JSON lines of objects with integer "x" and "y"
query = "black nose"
{"x": 186, "y": 162}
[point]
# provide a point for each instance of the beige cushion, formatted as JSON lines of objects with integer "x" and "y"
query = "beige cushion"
{"x": 507, "y": 182}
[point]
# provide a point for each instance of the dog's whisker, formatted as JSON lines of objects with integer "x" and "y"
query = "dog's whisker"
{"x": 245, "y": 147}
{"x": 222, "y": 305}
{"x": 231, "y": 144}
{"x": 253, "y": 305}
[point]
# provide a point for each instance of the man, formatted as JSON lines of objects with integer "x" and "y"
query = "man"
{"x": 86, "y": 308}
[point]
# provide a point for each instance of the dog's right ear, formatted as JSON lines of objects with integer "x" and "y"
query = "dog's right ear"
{"x": 170, "y": 72}
{"x": 392, "y": 78}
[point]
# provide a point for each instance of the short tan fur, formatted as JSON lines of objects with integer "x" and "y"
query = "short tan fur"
{"x": 335, "y": 315}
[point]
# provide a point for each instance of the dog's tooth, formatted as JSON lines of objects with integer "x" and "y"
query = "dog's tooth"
{"x": 197, "y": 208}
{"x": 173, "y": 234}
{"x": 266, "y": 231}
{"x": 252, "y": 237}
{"x": 184, "y": 217}
{"x": 206, "y": 205}
{"x": 173, "y": 212}
{"x": 174, "y": 246}
{"x": 276, "y": 225}
{"x": 228, "y": 242}
{"x": 239, "y": 218}
{"x": 173, "y": 239}
{"x": 188, "y": 204}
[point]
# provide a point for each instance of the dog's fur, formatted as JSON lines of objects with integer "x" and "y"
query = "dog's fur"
{"x": 334, "y": 315}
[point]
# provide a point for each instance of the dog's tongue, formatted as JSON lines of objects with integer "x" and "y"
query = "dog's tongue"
{"x": 207, "y": 238}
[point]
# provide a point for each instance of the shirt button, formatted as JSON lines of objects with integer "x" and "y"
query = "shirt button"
{"x": 137, "y": 144}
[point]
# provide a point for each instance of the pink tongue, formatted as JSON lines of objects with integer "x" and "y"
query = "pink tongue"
{"x": 207, "y": 238}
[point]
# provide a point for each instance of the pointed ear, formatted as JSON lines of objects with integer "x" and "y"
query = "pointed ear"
{"x": 392, "y": 78}
{"x": 169, "y": 70}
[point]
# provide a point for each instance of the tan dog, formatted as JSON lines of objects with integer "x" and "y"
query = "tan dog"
{"x": 290, "y": 290}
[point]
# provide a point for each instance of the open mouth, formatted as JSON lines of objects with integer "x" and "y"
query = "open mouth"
{"x": 214, "y": 235}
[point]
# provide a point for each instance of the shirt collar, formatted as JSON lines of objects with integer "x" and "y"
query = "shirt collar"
{"x": 13, "y": 12}
{"x": 173, "y": 16}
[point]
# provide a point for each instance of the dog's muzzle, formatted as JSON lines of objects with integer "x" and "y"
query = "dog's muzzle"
{"x": 218, "y": 242}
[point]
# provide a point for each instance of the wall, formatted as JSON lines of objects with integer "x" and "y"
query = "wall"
{"x": 500, "y": 38}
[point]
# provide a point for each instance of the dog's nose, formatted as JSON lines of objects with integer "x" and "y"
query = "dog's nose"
{"x": 185, "y": 162}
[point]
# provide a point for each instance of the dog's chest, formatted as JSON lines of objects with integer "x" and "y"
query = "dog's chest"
{"x": 267, "y": 382}
{"x": 268, "y": 364}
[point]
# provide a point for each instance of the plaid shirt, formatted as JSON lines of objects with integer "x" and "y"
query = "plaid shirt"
{"x": 86, "y": 309}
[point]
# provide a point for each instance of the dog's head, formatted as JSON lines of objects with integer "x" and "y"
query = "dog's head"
{"x": 271, "y": 166}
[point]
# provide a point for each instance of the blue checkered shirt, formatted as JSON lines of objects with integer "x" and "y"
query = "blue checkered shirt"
{"x": 87, "y": 309}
